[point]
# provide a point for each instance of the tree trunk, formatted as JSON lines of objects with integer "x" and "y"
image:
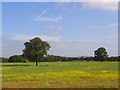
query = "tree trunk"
{"x": 36, "y": 63}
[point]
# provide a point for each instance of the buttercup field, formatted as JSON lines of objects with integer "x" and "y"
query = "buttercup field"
{"x": 61, "y": 75}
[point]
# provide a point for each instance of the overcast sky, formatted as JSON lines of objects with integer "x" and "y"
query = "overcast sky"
{"x": 72, "y": 29}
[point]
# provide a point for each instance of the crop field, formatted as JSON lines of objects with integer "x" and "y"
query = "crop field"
{"x": 60, "y": 75}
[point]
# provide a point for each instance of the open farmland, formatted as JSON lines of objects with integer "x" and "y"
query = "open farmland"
{"x": 60, "y": 75}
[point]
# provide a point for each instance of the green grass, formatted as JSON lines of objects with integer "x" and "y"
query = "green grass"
{"x": 60, "y": 75}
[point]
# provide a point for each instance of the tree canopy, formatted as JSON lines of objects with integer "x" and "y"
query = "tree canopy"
{"x": 35, "y": 49}
{"x": 100, "y": 54}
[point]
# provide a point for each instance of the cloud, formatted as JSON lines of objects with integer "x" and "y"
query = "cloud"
{"x": 68, "y": 6}
{"x": 55, "y": 29}
{"x": 55, "y": 19}
{"x": 59, "y": 28}
{"x": 109, "y": 37}
{"x": 12, "y": 47}
{"x": 112, "y": 25}
{"x": 46, "y": 18}
{"x": 59, "y": 0}
{"x": 87, "y": 0}
{"x": 112, "y": 37}
{"x": 110, "y": 6}
{"x": 25, "y": 37}
{"x": 80, "y": 48}
{"x": 105, "y": 26}
{"x": 100, "y": 0}
{"x": 43, "y": 12}
{"x": 89, "y": 4}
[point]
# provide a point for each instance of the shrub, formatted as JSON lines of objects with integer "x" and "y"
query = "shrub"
{"x": 17, "y": 58}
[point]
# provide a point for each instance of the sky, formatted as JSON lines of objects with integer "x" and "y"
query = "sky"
{"x": 72, "y": 29}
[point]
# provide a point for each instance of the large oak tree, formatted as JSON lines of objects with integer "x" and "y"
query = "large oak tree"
{"x": 35, "y": 49}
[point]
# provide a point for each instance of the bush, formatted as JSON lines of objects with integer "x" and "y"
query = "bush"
{"x": 25, "y": 61}
{"x": 2, "y": 59}
{"x": 17, "y": 58}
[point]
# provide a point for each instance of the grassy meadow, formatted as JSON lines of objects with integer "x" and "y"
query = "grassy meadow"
{"x": 60, "y": 75}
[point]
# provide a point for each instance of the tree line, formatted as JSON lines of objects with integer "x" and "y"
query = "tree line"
{"x": 36, "y": 51}
{"x": 53, "y": 58}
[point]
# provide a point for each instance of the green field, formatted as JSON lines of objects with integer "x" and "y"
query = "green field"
{"x": 60, "y": 75}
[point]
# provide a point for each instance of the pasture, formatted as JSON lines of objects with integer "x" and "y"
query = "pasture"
{"x": 60, "y": 75}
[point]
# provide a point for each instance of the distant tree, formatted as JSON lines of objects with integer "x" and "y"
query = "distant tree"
{"x": 35, "y": 49}
{"x": 100, "y": 54}
{"x": 118, "y": 59}
{"x": 3, "y": 59}
{"x": 16, "y": 58}
{"x": 114, "y": 58}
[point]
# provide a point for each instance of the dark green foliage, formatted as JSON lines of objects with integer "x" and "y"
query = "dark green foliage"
{"x": 16, "y": 58}
{"x": 113, "y": 59}
{"x": 100, "y": 54}
{"x": 53, "y": 58}
{"x": 118, "y": 59}
{"x": 35, "y": 50}
{"x": 2, "y": 59}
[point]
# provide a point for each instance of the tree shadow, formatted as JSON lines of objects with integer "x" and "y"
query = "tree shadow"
{"x": 16, "y": 65}
{"x": 22, "y": 65}
{"x": 43, "y": 65}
